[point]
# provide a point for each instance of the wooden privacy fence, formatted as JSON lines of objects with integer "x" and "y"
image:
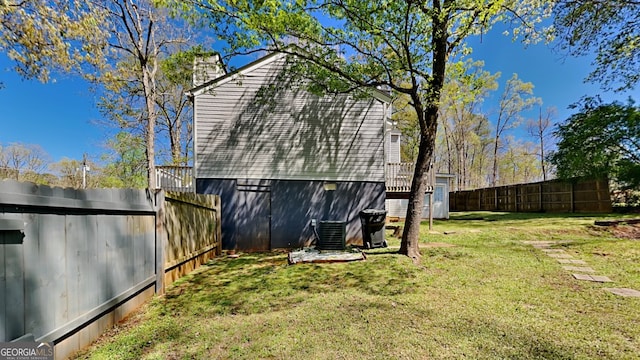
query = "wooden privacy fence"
{"x": 192, "y": 223}
{"x": 551, "y": 196}
{"x": 75, "y": 262}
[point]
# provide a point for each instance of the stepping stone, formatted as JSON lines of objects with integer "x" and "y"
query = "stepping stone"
{"x": 624, "y": 292}
{"x": 596, "y": 278}
{"x": 572, "y": 261}
{"x": 554, "y": 251}
{"x": 539, "y": 244}
{"x": 579, "y": 268}
{"x": 543, "y": 246}
{"x": 560, "y": 256}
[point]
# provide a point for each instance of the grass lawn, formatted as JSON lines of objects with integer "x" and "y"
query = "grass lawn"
{"x": 487, "y": 296}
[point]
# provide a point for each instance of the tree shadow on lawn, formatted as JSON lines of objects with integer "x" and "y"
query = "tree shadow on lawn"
{"x": 256, "y": 283}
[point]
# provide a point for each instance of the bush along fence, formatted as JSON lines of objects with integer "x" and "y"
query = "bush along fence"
{"x": 75, "y": 262}
{"x": 580, "y": 196}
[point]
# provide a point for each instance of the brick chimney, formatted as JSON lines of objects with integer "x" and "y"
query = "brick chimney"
{"x": 206, "y": 69}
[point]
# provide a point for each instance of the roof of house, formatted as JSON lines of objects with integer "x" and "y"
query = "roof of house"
{"x": 376, "y": 93}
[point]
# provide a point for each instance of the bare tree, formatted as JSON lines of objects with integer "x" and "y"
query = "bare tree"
{"x": 540, "y": 129}
{"x": 18, "y": 159}
{"x": 516, "y": 98}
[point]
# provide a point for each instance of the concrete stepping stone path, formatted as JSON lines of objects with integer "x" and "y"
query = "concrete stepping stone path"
{"x": 582, "y": 269}
{"x": 553, "y": 251}
{"x": 595, "y": 278}
{"x": 572, "y": 261}
{"x": 559, "y": 256}
{"x": 584, "y": 273}
{"x": 624, "y": 292}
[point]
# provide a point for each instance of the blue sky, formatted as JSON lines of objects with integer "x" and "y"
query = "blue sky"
{"x": 58, "y": 116}
{"x": 558, "y": 79}
{"x": 61, "y": 116}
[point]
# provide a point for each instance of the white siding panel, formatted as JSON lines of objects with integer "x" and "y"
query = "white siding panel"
{"x": 262, "y": 126}
{"x": 393, "y": 146}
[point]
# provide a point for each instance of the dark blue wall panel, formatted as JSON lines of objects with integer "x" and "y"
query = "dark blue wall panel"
{"x": 228, "y": 200}
{"x": 293, "y": 205}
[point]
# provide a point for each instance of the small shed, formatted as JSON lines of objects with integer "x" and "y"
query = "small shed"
{"x": 398, "y": 207}
{"x": 399, "y": 177}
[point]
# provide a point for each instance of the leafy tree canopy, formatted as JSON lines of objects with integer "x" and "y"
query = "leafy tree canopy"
{"x": 42, "y": 36}
{"x": 611, "y": 28}
{"x": 600, "y": 140}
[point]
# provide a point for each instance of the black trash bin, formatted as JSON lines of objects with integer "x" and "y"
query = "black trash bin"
{"x": 373, "y": 221}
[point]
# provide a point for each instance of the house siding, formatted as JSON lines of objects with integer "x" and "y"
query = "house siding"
{"x": 393, "y": 146}
{"x": 292, "y": 205}
{"x": 261, "y": 125}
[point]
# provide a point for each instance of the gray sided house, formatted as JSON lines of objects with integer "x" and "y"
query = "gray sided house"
{"x": 283, "y": 159}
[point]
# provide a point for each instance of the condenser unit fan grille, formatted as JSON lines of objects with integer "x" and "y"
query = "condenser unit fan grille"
{"x": 332, "y": 235}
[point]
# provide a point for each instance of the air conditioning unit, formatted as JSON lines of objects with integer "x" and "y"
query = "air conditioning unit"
{"x": 332, "y": 235}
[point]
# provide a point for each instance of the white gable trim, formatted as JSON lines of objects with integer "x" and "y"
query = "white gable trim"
{"x": 212, "y": 84}
{"x": 206, "y": 87}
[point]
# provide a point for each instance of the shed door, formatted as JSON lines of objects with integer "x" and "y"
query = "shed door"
{"x": 440, "y": 205}
{"x": 253, "y": 216}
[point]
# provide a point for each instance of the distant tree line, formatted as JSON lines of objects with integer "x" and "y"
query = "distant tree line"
{"x": 122, "y": 166}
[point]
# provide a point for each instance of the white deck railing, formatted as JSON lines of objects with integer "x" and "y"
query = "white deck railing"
{"x": 175, "y": 178}
{"x": 399, "y": 176}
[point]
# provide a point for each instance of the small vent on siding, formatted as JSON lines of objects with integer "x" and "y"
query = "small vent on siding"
{"x": 332, "y": 235}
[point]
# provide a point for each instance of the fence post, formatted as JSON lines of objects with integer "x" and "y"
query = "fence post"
{"x": 161, "y": 237}
{"x": 218, "y": 207}
{"x": 573, "y": 200}
{"x": 540, "y": 205}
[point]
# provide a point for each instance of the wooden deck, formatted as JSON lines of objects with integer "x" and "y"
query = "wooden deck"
{"x": 398, "y": 179}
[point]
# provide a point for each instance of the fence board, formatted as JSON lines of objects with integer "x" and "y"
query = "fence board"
{"x": 551, "y": 196}
{"x": 14, "y": 276}
{"x": 3, "y": 290}
{"x": 105, "y": 224}
{"x": 192, "y": 223}
{"x": 53, "y": 254}
{"x": 89, "y": 269}
{"x": 75, "y": 246}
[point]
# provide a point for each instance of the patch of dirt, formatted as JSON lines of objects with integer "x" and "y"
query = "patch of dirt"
{"x": 435, "y": 245}
{"x": 628, "y": 231}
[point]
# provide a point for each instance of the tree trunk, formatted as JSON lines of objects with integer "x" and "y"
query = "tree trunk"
{"x": 175, "y": 135}
{"x": 150, "y": 93}
{"x": 427, "y": 113}
{"x": 411, "y": 234}
{"x": 494, "y": 174}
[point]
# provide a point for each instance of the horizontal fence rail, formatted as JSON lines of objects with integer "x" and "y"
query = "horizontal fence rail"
{"x": 551, "y": 196}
